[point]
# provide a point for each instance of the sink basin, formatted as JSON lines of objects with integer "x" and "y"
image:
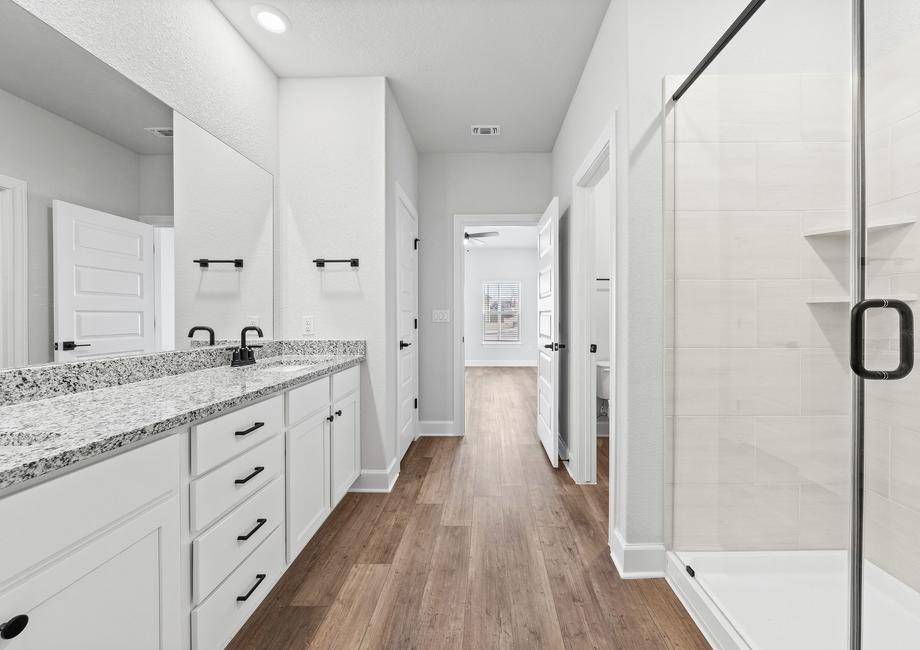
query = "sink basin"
{"x": 26, "y": 438}
{"x": 283, "y": 368}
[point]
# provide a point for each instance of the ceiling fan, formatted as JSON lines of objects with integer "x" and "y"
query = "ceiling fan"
{"x": 479, "y": 236}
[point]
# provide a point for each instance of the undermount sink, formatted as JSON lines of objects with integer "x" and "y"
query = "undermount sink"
{"x": 284, "y": 368}
{"x": 26, "y": 438}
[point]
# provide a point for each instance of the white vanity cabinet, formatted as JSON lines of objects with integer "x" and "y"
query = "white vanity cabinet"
{"x": 323, "y": 452}
{"x": 92, "y": 557}
{"x": 174, "y": 544}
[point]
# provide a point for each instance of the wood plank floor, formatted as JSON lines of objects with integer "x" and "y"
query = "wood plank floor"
{"x": 481, "y": 544}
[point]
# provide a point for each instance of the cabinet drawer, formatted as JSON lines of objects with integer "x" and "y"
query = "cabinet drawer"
{"x": 214, "y": 494}
{"x": 220, "y": 617}
{"x": 220, "y": 439}
{"x": 218, "y": 551}
{"x": 305, "y": 401}
{"x": 345, "y": 382}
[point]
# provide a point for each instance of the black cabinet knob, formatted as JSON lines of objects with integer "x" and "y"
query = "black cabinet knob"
{"x": 338, "y": 413}
{"x": 13, "y": 627}
{"x": 330, "y": 418}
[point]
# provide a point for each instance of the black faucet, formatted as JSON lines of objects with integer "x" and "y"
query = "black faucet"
{"x": 203, "y": 328}
{"x": 244, "y": 356}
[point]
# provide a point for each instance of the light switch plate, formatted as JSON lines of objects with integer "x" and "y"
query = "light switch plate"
{"x": 308, "y": 326}
{"x": 440, "y": 315}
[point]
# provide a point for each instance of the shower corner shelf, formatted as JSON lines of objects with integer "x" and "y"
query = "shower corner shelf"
{"x": 877, "y": 225}
{"x": 845, "y": 300}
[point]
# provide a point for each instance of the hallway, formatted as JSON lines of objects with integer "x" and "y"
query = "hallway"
{"x": 481, "y": 544}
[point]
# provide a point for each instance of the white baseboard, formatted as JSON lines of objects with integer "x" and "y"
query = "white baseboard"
{"x": 711, "y": 621}
{"x": 489, "y": 363}
{"x": 377, "y": 480}
{"x": 635, "y": 561}
{"x": 437, "y": 428}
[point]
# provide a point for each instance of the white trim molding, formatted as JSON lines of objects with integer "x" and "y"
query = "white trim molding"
{"x": 635, "y": 561}
{"x": 377, "y": 480}
{"x": 14, "y": 276}
{"x": 599, "y": 165}
{"x": 438, "y": 428}
{"x": 708, "y": 617}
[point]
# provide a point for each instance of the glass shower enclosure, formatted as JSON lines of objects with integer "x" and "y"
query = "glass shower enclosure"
{"x": 792, "y": 196}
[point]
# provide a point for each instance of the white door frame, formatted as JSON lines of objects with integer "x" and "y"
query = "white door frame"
{"x": 461, "y": 222}
{"x": 14, "y": 272}
{"x": 600, "y": 159}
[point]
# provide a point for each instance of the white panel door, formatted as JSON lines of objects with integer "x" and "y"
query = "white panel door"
{"x": 407, "y": 287}
{"x": 104, "y": 302}
{"x": 548, "y": 331}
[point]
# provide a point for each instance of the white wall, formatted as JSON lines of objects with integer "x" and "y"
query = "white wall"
{"x": 59, "y": 160}
{"x": 504, "y": 264}
{"x": 156, "y": 185}
{"x": 186, "y": 54}
{"x": 223, "y": 210}
{"x": 401, "y": 170}
{"x": 451, "y": 184}
{"x": 334, "y": 204}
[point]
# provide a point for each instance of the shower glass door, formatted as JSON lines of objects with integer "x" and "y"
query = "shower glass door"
{"x": 891, "y": 531}
{"x": 759, "y": 214}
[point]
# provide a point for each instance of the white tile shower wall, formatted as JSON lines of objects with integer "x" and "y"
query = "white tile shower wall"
{"x": 892, "y": 408}
{"x": 761, "y": 390}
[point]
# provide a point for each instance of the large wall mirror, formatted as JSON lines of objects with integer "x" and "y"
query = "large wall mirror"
{"x": 107, "y": 198}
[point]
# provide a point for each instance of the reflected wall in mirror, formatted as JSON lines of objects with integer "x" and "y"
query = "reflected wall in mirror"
{"x": 223, "y": 212}
{"x": 99, "y": 222}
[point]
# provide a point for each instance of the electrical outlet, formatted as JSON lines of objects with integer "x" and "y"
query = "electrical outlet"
{"x": 440, "y": 315}
{"x": 253, "y": 319}
{"x": 308, "y": 326}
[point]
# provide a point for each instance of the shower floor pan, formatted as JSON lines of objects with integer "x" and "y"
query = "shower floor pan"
{"x": 793, "y": 600}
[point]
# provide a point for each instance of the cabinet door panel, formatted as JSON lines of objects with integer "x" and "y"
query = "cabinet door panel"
{"x": 308, "y": 481}
{"x": 346, "y": 446}
{"x": 120, "y": 590}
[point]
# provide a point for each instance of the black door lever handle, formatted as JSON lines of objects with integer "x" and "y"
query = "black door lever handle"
{"x": 403, "y": 345}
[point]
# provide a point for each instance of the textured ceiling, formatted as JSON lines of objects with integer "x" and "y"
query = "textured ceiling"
{"x": 46, "y": 69}
{"x": 451, "y": 63}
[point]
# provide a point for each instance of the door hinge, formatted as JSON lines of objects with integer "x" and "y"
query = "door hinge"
{"x": 415, "y": 243}
{"x": 690, "y": 571}
{"x": 415, "y": 323}
{"x": 593, "y": 348}
{"x": 416, "y": 402}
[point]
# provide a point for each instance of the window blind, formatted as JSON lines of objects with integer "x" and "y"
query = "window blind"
{"x": 501, "y": 312}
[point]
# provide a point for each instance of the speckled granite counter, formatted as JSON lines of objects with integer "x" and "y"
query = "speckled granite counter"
{"x": 40, "y": 437}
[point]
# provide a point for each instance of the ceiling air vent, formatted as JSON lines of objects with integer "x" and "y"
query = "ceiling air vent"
{"x": 485, "y": 129}
{"x": 160, "y": 131}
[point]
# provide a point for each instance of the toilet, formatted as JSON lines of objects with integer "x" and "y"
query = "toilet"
{"x": 603, "y": 398}
{"x": 603, "y": 379}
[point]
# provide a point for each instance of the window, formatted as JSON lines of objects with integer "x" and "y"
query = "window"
{"x": 501, "y": 312}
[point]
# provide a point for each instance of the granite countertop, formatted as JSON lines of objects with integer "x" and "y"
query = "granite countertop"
{"x": 40, "y": 437}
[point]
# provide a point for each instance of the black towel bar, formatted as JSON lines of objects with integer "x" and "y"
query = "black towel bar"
{"x": 321, "y": 262}
{"x": 204, "y": 262}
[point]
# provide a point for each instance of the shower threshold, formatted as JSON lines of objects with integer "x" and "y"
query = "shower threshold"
{"x": 794, "y": 600}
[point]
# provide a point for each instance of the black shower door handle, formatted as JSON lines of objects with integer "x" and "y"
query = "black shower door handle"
{"x": 857, "y": 338}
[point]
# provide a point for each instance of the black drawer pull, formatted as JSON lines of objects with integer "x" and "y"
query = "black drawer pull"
{"x": 13, "y": 627}
{"x": 255, "y": 472}
{"x": 259, "y": 523}
{"x": 257, "y": 425}
{"x": 339, "y": 413}
{"x": 259, "y": 578}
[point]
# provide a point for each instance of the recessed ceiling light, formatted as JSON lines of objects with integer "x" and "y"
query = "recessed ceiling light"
{"x": 270, "y": 19}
